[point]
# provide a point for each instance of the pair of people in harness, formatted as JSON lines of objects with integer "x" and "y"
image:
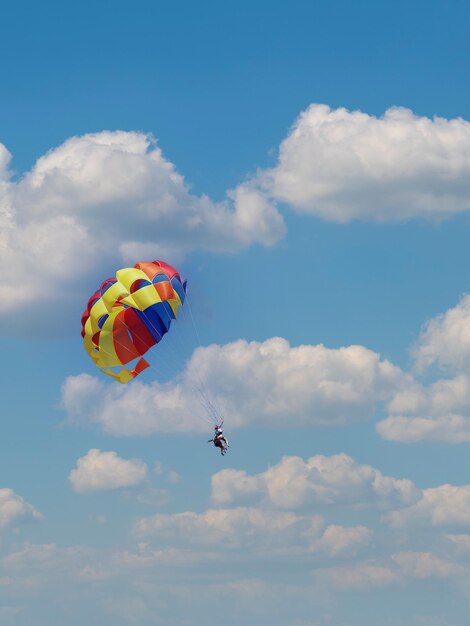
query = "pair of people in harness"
{"x": 219, "y": 440}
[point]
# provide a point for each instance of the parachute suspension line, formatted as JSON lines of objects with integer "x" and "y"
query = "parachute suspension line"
{"x": 193, "y": 321}
{"x": 198, "y": 385}
{"x": 203, "y": 391}
{"x": 203, "y": 418}
{"x": 205, "y": 406}
{"x": 210, "y": 417}
{"x": 171, "y": 321}
{"x": 200, "y": 388}
{"x": 213, "y": 416}
{"x": 206, "y": 402}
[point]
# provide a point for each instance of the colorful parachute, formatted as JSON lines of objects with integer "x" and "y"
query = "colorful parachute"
{"x": 129, "y": 314}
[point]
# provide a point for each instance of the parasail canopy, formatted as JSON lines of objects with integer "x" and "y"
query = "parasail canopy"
{"x": 129, "y": 314}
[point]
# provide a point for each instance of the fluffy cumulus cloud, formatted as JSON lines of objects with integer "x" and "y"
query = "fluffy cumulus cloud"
{"x": 43, "y": 555}
{"x": 439, "y": 411}
{"x": 255, "y": 529}
{"x": 268, "y": 381}
{"x": 106, "y": 199}
{"x": 461, "y": 542}
{"x": 134, "y": 409}
{"x": 316, "y": 384}
{"x": 106, "y": 470}
{"x": 339, "y": 540}
{"x": 14, "y": 509}
{"x": 446, "y": 505}
{"x": 401, "y": 567}
{"x": 445, "y": 339}
{"x": 357, "y": 576}
{"x": 53, "y": 569}
{"x": 342, "y": 165}
{"x": 291, "y": 551}
{"x": 293, "y": 482}
{"x": 425, "y": 565}
{"x": 275, "y": 514}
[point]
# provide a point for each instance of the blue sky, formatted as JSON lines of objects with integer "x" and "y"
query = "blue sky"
{"x": 305, "y": 166}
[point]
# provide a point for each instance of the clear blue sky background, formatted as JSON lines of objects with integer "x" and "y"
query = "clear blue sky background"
{"x": 219, "y": 84}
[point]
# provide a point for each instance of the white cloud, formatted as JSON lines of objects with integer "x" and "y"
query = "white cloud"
{"x": 445, "y": 339}
{"x": 335, "y": 479}
{"x": 447, "y": 428}
{"x": 133, "y": 409}
{"x": 79, "y": 394}
{"x": 439, "y": 412}
{"x": 43, "y": 553}
{"x": 106, "y": 470}
{"x": 232, "y": 527}
{"x": 357, "y": 576}
{"x": 315, "y": 384}
{"x": 438, "y": 506}
{"x": 129, "y": 609}
{"x": 338, "y": 540}
{"x": 262, "y": 531}
{"x": 14, "y": 509}
{"x": 105, "y": 577}
{"x": 461, "y": 542}
{"x": 270, "y": 382}
{"x": 425, "y": 565}
{"x": 402, "y": 566}
{"x": 105, "y": 199}
{"x": 145, "y": 557}
{"x": 342, "y": 165}
{"x": 34, "y": 566}
{"x": 102, "y": 200}
{"x": 5, "y": 158}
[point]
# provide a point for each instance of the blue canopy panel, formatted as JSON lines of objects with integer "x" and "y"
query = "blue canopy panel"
{"x": 156, "y": 320}
{"x": 179, "y": 288}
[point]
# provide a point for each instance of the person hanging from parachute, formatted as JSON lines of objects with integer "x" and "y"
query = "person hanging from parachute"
{"x": 219, "y": 440}
{"x": 131, "y": 313}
